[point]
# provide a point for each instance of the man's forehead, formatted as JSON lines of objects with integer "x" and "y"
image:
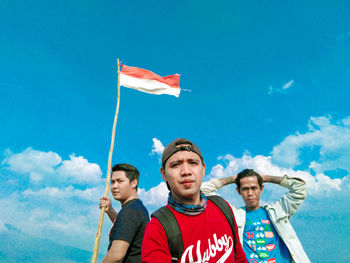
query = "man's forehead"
{"x": 249, "y": 180}
{"x": 118, "y": 175}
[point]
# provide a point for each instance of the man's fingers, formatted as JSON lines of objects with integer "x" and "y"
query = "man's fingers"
{"x": 103, "y": 203}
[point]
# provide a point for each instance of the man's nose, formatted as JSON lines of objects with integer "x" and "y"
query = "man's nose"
{"x": 185, "y": 169}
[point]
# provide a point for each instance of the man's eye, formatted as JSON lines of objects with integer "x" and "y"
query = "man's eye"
{"x": 174, "y": 164}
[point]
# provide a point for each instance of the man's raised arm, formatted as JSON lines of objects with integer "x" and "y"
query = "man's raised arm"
{"x": 210, "y": 187}
{"x": 271, "y": 179}
{"x": 292, "y": 200}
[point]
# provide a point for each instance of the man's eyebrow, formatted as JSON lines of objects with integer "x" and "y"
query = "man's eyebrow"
{"x": 176, "y": 161}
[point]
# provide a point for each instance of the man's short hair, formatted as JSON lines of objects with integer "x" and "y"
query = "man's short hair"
{"x": 247, "y": 173}
{"x": 131, "y": 171}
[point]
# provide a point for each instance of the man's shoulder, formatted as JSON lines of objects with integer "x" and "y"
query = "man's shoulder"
{"x": 134, "y": 208}
{"x": 134, "y": 204}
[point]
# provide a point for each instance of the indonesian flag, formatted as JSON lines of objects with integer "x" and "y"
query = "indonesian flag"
{"x": 147, "y": 81}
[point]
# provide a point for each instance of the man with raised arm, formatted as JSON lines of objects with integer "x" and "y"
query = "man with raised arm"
{"x": 191, "y": 228}
{"x": 126, "y": 234}
{"x": 265, "y": 231}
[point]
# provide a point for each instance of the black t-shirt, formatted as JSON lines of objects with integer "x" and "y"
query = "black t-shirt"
{"x": 130, "y": 226}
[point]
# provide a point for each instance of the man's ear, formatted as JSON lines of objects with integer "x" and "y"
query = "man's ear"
{"x": 163, "y": 173}
{"x": 262, "y": 187}
{"x": 238, "y": 191}
{"x": 203, "y": 169}
{"x": 134, "y": 183}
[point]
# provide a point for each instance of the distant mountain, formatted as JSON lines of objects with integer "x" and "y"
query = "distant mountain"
{"x": 17, "y": 246}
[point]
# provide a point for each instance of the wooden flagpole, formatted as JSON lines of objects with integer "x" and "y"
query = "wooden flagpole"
{"x": 108, "y": 176}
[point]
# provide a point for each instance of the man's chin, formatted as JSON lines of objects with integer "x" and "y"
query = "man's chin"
{"x": 188, "y": 194}
{"x": 116, "y": 197}
{"x": 252, "y": 207}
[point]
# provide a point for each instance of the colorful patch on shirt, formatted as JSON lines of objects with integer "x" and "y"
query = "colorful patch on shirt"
{"x": 271, "y": 260}
{"x": 265, "y": 221}
{"x": 268, "y": 228}
{"x": 251, "y": 242}
{"x": 268, "y": 234}
{"x": 261, "y": 241}
{"x": 250, "y": 235}
{"x": 263, "y": 255}
{"x": 248, "y": 222}
{"x": 259, "y": 228}
{"x": 261, "y": 248}
{"x": 270, "y": 247}
{"x": 259, "y": 235}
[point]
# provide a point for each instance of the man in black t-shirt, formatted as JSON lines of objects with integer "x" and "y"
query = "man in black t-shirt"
{"x": 125, "y": 237}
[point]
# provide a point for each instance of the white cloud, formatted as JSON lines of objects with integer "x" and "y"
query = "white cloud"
{"x": 41, "y": 165}
{"x": 3, "y": 228}
{"x": 346, "y": 121}
{"x": 58, "y": 203}
{"x": 157, "y": 147}
{"x": 64, "y": 221}
{"x": 157, "y": 195}
{"x": 333, "y": 141}
{"x": 89, "y": 194}
{"x": 288, "y": 85}
{"x": 343, "y": 37}
{"x": 270, "y": 90}
{"x": 35, "y": 163}
{"x": 284, "y": 87}
{"x": 327, "y": 185}
{"x": 79, "y": 170}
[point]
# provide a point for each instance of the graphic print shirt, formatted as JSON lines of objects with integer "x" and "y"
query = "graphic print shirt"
{"x": 207, "y": 237}
{"x": 261, "y": 242}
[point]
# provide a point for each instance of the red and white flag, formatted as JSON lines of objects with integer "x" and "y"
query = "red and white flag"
{"x": 147, "y": 81}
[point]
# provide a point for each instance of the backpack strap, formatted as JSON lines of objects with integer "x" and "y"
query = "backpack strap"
{"x": 226, "y": 210}
{"x": 172, "y": 230}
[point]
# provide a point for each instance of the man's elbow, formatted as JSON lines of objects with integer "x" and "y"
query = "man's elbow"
{"x": 302, "y": 191}
{"x": 113, "y": 258}
{"x": 118, "y": 259}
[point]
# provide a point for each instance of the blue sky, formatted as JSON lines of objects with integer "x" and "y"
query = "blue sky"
{"x": 269, "y": 85}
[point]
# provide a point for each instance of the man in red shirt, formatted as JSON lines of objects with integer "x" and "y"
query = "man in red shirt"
{"x": 206, "y": 234}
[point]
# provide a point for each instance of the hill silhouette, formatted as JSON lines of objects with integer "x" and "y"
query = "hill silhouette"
{"x": 17, "y": 246}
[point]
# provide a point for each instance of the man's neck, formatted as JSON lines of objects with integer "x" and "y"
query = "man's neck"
{"x": 252, "y": 208}
{"x": 187, "y": 201}
{"x": 131, "y": 197}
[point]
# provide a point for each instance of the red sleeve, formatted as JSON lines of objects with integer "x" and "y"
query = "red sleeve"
{"x": 240, "y": 256}
{"x": 155, "y": 248}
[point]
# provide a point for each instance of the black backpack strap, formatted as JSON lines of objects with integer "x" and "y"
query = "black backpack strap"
{"x": 226, "y": 210}
{"x": 172, "y": 230}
